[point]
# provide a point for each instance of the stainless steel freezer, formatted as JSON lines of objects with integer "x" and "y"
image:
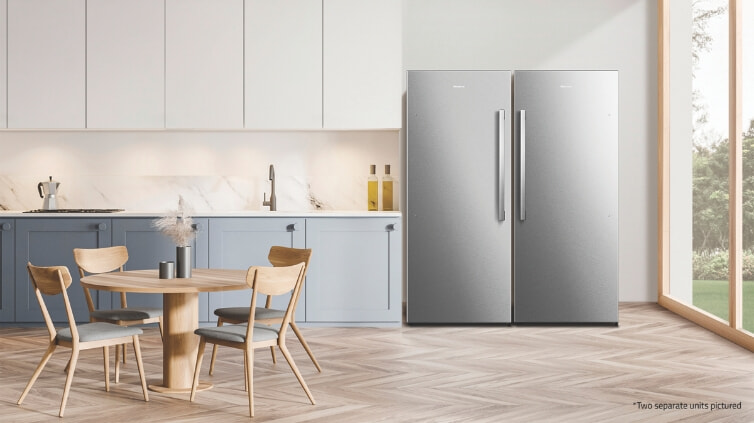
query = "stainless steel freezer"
{"x": 566, "y": 197}
{"x": 458, "y": 187}
{"x": 508, "y": 224}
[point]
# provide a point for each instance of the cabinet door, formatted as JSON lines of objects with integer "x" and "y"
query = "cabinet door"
{"x": 204, "y": 63}
{"x": 3, "y": 64}
{"x": 355, "y": 272}
{"x": 237, "y": 243}
{"x": 362, "y": 58}
{"x": 283, "y": 43}
{"x": 125, "y": 64}
{"x": 50, "y": 242}
{"x": 46, "y": 64}
{"x": 147, "y": 246}
{"x": 6, "y": 270}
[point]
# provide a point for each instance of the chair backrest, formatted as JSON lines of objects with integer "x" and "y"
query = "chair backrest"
{"x": 52, "y": 280}
{"x": 100, "y": 260}
{"x": 274, "y": 281}
{"x": 286, "y": 256}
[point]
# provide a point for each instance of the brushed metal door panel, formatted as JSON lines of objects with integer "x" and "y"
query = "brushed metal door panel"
{"x": 458, "y": 251}
{"x": 565, "y": 249}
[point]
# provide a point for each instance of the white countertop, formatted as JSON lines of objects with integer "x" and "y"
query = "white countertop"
{"x": 258, "y": 213}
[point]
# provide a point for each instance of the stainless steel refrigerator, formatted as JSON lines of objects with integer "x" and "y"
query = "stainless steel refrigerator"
{"x": 512, "y": 196}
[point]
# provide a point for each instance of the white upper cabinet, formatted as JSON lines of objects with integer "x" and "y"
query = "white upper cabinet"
{"x": 125, "y": 63}
{"x": 362, "y": 55}
{"x": 283, "y": 88}
{"x": 204, "y": 64}
{"x": 3, "y": 64}
{"x": 46, "y": 64}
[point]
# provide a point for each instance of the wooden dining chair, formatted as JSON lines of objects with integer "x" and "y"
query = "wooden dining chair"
{"x": 250, "y": 336}
{"x": 103, "y": 260}
{"x": 55, "y": 280}
{"x": 278, "y": 256}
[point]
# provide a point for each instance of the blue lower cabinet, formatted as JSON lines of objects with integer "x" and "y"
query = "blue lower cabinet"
{"x": 7, "y": 254}
{"x": 50, "y": 242}
{"x": 354, "y": 277}
{"x": 355, "y": 273}
{"x": 237, "y": 243}
{"x": 147, "y": 246}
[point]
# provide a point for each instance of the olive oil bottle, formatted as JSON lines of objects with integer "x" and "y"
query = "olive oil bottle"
{"x": 387, "y": 190}
{"x": 372, "y": 188}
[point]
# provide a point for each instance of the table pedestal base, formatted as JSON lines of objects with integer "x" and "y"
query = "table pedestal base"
{"x": 203, "y": 386}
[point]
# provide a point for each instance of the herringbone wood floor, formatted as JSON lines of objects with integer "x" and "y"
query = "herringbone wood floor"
{"x": 418, "y": 374}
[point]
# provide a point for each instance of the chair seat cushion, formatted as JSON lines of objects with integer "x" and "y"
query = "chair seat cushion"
{"x": 236, "y": 333}
{"x": 242, "y": 313}
{"x": 140, "y": 313}
{"x": 98, "y": 331}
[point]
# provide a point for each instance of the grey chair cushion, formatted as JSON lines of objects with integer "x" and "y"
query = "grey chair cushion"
{"x": 274, "y": 327}
{"x": 242, "y": 313}
{"x": 236, "y": 333}
{"x": 98, "y": 331}
{"x": 140, "y": 313}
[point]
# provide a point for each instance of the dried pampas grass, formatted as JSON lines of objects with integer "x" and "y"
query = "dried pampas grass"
{"x": 177, "y": 225}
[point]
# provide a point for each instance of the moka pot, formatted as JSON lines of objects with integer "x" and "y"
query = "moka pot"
{"x": 47, "y": 190}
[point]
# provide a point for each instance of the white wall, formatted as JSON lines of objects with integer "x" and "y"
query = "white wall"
{"x": 565, "y": 34}
{"x": 438, "y": 34}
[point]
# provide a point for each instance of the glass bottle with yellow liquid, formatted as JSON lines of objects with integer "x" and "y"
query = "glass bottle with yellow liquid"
{"x": 387, "y": 190}
{"x": 372, "y": 188}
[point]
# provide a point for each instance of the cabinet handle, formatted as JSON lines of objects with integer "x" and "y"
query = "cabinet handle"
{"x": 391, "y": 227}
{"x": 5, "y": 226}
{"x": 292, "y": 227}
{"x": 197, "y": 226}
{"x": 102, "y": 227}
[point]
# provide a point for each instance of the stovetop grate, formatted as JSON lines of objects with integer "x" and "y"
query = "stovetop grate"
{"x": 75, "y": 211}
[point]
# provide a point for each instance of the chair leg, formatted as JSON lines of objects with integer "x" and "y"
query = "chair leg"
{"x": 214, "y": 350}
{"x": 300, "y": 378}
{"x": 162, "y": 335}
{"x": 117, "y": 363}
{"x": 306, "y": 346}
{"x": 38, "y": 370}
{"x": 69, "y": 378}
{"x": 106, "y": 354}
{"x": 272, "y": 351}
{"x": 200, "y": 353}
{"x": 140, "y": 366}
{"x": 124, "y": 353}
{"x": 249, "y": 367}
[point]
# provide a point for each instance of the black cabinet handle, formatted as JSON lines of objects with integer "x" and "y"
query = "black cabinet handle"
{"x": 292, "y": 227}
{"x": 102, "y": 227}
{"x": 5, "y": 226}
{"x": 391, "y": 227}
{"x": 197, "y": 226}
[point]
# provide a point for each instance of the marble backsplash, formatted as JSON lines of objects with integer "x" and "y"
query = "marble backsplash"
{"x": 201, "y": 192}
{"x": 213, "y": 171}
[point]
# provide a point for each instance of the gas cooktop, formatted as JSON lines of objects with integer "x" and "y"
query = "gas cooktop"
{"x": 75, "y": 211}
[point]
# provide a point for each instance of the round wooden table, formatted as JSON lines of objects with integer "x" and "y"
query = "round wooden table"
{"x": 180, "y": 302}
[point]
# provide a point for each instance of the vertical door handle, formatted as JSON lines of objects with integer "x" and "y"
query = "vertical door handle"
{"x": 522, "y": 176}
{"x": 501, "y": 165}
